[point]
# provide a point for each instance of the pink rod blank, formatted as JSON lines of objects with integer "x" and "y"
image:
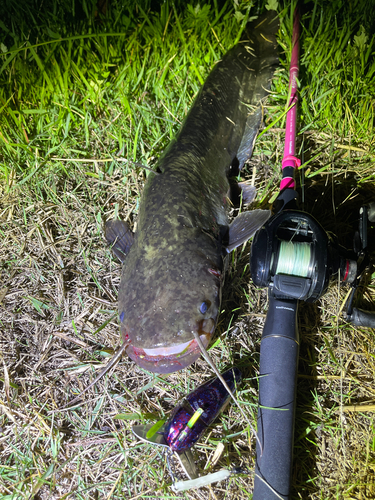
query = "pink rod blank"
{"x": 290, "y": 132}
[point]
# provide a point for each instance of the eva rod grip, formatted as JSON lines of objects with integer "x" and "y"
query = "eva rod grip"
{"x": 359, "y": 317}
{"x": 277, "y": 389}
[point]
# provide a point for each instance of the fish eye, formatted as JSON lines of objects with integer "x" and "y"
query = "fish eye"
{"x": 204, "y": 307}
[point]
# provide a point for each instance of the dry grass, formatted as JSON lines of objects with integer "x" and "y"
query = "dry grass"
{"x": 59, "y": 288}
{"x": 58, "y": 322}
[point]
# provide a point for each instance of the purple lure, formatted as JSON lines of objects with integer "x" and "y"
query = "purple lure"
{"x": 190, "y": 419}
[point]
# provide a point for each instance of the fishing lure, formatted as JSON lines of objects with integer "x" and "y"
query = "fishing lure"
{"x": 190, "y": 419}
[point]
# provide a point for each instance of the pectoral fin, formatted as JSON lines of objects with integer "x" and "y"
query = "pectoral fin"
{"x": 248, "y": 193}
{"x": 241, "y": 193}
{"x": 244, "y": 226}
{"x": 120, "y": 237}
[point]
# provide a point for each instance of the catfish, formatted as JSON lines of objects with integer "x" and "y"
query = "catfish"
{"x": 174, "y": 264}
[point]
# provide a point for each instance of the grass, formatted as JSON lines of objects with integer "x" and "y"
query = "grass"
{"x": 83, "y": 96}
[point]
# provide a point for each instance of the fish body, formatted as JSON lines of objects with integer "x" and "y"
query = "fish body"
{"x": 173, "y": 271}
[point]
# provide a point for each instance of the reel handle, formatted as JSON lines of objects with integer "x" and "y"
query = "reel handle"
{"x": 277, "y": 387}
{"x": 360, "y": 317}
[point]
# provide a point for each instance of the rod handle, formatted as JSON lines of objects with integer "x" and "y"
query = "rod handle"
{"x": 277, "y": 388}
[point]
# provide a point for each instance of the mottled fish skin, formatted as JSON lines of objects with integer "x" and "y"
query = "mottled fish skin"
{"x": 174, "y": 269}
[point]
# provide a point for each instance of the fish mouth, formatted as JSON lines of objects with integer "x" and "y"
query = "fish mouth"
{"x": 168, "y": 359}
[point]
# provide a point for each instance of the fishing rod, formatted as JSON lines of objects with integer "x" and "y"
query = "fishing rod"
{"x": 294, "y": 257}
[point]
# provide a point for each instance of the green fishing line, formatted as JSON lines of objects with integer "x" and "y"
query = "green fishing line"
{"x": 294, "y": 259}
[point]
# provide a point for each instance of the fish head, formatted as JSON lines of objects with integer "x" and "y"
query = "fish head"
{"x": 166, "y": 297}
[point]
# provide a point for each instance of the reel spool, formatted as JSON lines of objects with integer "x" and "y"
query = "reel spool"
{"x": 295, "y": 257}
